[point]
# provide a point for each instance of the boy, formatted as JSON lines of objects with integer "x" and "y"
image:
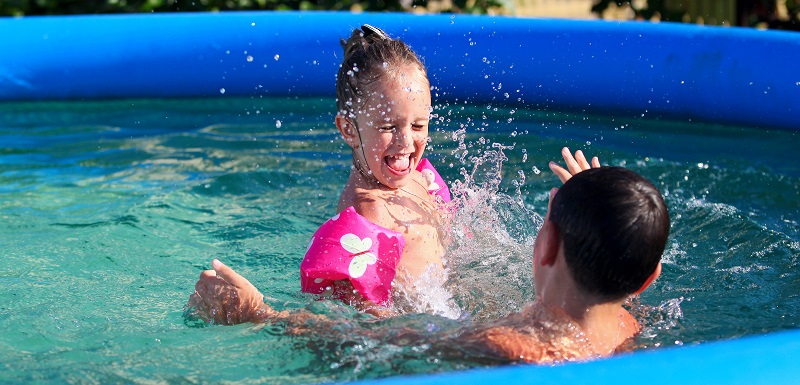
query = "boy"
{"x": 601, "y": 242}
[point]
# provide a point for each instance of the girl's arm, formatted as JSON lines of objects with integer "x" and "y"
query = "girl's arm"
{"x": 224, "y": 297}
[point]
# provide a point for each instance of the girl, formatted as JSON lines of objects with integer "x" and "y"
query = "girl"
{"x": 386, "y": 236}
{"x": 391, "y": 236}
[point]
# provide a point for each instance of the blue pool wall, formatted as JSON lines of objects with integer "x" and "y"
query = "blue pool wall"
{"x": 668, "y": 71}
{"x": 671, "y": 71}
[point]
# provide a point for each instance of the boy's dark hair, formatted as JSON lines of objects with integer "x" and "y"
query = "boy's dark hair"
{"x": 369, "y": 54}
{"x": 614, "y": 225}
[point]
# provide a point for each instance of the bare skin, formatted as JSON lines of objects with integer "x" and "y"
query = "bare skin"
{"x": 574, "y": 164}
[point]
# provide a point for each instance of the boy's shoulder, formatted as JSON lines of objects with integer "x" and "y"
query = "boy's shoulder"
{"x": 517, "y": 344}
{"x": 535, "y": 335}
{"x": 512, "y": 344}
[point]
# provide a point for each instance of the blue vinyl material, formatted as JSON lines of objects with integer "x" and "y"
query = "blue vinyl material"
{"x": 676, "y": 71}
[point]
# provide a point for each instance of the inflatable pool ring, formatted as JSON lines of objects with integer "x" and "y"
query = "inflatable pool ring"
{"x": 350, "y": 247}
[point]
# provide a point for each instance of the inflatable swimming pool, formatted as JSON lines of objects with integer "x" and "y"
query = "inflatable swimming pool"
{"x": 732, "y": 76}
{"x": 727, "y": 75}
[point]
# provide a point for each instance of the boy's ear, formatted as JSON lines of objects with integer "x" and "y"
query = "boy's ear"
{"x": 650, "y": 279}
{"x": 549, "y": 239}
{"x": 348, "y": 130}
{"x": 548, "y": 244}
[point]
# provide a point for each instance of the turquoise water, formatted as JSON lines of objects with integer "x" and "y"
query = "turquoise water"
{"x": 110, "y": 210}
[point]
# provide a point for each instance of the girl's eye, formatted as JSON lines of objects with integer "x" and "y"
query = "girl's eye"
{"x": 417, "y": 127}
{"x": 386, "y": 129}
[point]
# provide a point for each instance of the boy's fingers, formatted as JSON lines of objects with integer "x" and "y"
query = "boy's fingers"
{"x": 559, "y": 171}
{"x": 581, "y": 159}
{"x": 596, "y": 162}
{"x": 229, "y": 275}
{"x": 572, "y": 164}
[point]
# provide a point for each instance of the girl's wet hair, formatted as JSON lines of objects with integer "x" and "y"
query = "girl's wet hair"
{"x": 614, "y": 224}
{"x": 369, "y": 55}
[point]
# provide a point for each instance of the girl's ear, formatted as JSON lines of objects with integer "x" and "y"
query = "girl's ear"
{"x": 348, "y": 130}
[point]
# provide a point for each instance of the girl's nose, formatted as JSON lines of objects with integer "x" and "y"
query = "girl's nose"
{"x": 405, "y": 137}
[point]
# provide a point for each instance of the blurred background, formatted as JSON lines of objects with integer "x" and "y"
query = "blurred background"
{"x": 772, "y": 14}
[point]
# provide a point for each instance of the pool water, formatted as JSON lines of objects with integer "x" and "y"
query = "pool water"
{"x": 110, "y": 210}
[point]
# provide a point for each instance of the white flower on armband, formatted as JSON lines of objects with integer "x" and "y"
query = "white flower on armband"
{"x": 361, "y": 255}
{"x": 431, "y": 179}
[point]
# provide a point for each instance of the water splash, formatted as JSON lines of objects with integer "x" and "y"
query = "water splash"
{"x": 490, "y": 236}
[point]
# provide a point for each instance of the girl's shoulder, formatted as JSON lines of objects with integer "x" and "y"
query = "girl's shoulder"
{"x": 375, "y": 206}
{"x": 392, "y": 208}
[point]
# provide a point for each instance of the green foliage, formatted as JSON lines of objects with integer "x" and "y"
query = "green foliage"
{"x": 747, "y": 13}
{"x": 651, "y": 9}
{"x": 72, "y": 7}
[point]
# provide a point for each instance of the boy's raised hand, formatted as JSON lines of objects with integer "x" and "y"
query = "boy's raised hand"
{"x": 223, "y": 296}
{"x": 575, "y": 164}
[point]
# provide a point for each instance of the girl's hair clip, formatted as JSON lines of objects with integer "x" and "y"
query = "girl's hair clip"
{"x": 370, "y": 30}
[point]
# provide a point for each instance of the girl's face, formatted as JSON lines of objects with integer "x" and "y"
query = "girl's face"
{"x": 393, "y": 124}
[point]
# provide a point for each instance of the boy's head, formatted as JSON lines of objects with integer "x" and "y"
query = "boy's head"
{"x": 370, "y": 55}
{"x": 614, "y": 226}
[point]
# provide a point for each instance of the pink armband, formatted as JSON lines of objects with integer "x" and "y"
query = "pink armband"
{"x": 349, "y": 247}
{"x": 436, "y": 185}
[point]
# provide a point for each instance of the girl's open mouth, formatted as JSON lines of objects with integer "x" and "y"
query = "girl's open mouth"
{"x": 398, "y": 164}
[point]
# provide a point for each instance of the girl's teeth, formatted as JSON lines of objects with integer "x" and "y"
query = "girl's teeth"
{"x": 398, "y": 163}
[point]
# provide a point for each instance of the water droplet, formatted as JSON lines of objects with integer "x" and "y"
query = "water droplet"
{"x": 222, "y": 90}
{"x": 277, "y": 124}
{"x": 277, "y": 57}
{"x": 249, "y": 58}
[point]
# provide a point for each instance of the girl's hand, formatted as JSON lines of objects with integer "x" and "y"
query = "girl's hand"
{"x": 224, "y": 297}
{"x": 574, "y": 164}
